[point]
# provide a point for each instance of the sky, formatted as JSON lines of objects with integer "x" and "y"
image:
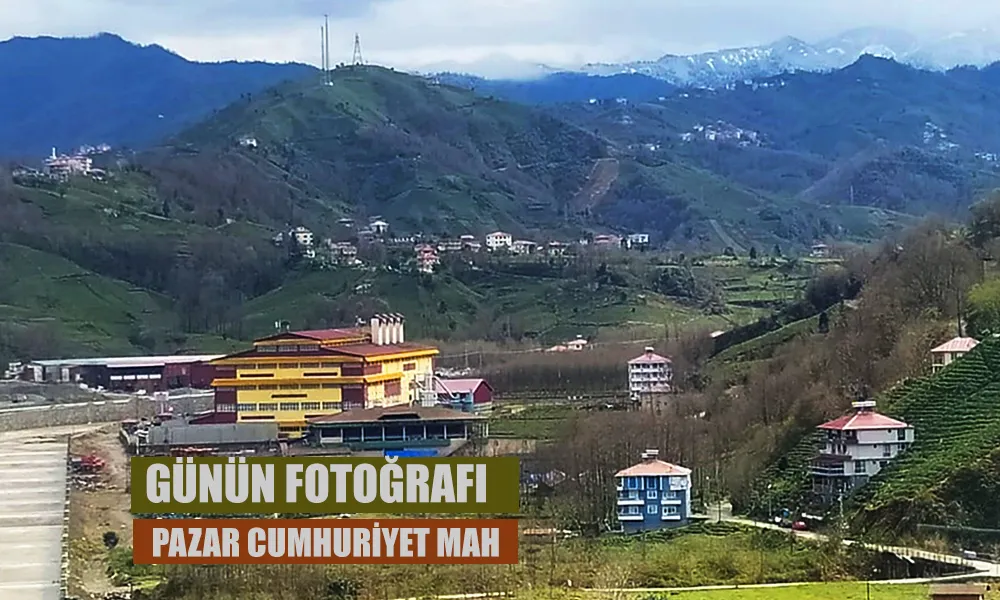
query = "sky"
{"x": 491, "y": 37}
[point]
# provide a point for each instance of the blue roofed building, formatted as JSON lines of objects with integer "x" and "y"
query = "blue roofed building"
{"x": 653, "y": 495}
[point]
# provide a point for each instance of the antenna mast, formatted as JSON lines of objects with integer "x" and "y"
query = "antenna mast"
{"x": 327, "y": 79}
{"x": 358, "y": 60}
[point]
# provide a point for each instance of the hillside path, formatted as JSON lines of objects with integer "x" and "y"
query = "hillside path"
{"x": 598, "y": 184}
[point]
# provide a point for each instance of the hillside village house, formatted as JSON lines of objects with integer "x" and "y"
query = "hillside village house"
{"x": 857, "y": 446}
{"x": 653, "y": 495}
{"x": 499, "y": 239}
{"x": 650, "y": 373}
{"x": 61, "y": 166}
{"x": 523, "y": 247}
{"x": 378, "y": 227}
{"x": 427, "y": 258}
{"x": 294, "y": 376}
{"x": 637, "y": 240}
{"x": 607, "y": 241}
{"x": 950, "y": 351}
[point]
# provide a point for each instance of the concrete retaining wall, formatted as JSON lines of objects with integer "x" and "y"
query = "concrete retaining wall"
{"x": 103, "y": 411}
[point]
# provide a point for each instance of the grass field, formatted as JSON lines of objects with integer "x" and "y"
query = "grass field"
{"x": 853, "y": 590}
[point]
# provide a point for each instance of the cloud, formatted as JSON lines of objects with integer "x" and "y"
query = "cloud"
{"x": 495, "y": 34}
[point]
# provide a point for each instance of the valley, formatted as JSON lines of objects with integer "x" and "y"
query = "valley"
{"x": 782, "y": 276}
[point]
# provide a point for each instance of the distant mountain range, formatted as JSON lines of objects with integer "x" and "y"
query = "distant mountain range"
{"x": 67, "y": 92}
{"x": 790, "y": 54}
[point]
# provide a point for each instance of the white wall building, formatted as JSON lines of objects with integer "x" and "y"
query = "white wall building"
{"x": 499, "y": 239}
{"x": 650, "y": 374}
{"x": 948, "y": 352}
{"x": 857, "y": 446}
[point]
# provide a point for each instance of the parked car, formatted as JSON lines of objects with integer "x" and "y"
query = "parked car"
{"x": 800, "y": 526}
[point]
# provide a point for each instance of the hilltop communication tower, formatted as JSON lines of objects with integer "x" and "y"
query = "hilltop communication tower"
{"x": 358, "y": 60}
{"x": 324, "y": 40}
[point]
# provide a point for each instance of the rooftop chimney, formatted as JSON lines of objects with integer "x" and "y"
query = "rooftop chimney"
{"x": 402, "y": 320}
{"x": 376, "y": 330}
{"x": 649, "y": 349}
{"x": 864, "y": 405}
{"x": 650, "y": 455}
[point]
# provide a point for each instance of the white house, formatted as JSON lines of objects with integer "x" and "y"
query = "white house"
{"x": 637, "y": 240}
{"x": 857, "y": 446}
{"x": 499, "y": 239}
{"x": 379, "y": 227}
{"x": 523, "y": 247}
{"x": 303, "y": 237}
{"x": 650, "y": 374}
{"x": 948, "y": 352}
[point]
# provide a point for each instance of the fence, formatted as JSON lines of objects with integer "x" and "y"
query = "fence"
{"x": 101, "y": 411}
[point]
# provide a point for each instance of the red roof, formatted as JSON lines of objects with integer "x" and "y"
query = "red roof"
{"x": 331, "y": 334}
{"x": 458, "y": 386}
{"x": 319, "y": 335}
{"x": 649, "y": 357}
{"x": 863, "y": 420}
{"x": 652, "y": 468}
{"x": 959, "y": 344}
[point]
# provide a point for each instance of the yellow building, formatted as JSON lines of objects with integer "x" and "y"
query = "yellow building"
{"x": 297, "y": 375}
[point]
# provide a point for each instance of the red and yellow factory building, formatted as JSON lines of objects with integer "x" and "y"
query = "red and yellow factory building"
{"x": 291, "y": 377}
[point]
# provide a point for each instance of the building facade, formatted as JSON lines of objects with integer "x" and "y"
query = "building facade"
{"x": 650, "y": 374}
{"x": 856, "y": 447}
{"x": 291, "y": 377}
{"x": 950, "y": 351}
{"x": 397, "y": 428}
{"x": 653, "y": 495}
{"x": 467, "y": 395}
{"x": 499, "y": 239}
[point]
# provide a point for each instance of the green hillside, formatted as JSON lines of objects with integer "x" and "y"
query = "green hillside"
{"x": 949, "y": 476}
{"x": 434, "y": 159}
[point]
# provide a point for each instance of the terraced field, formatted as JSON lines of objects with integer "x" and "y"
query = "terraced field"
{"x": 956, "y": 415}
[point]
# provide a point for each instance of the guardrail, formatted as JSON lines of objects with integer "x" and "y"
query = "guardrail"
{"x": 64, "y": 567}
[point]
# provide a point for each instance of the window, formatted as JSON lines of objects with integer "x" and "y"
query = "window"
{"x": 289, "y": 406}
{"x": 883, "y": 464}
{"x": 290, "y": 386}
{"x": 309, "y": 365}
{"x": 288, "y": 366}
{"x": 329, "y": 365}
{"x": 651, "y": 509}
{"x": 331, "y": 386}
{"x": 634, "y": 510}
{"x": 288, "y": 348}
{"x": 247, "y": 388}
{"x": 310, "y": 405}
{"x": 669, "y": 511}
{"x": 267, "y": 348}
{"x": 650, "y": 494}
{"x": 309, "y": 386}
{"x": 670, "y": 495}
{"x": 859, "y": 466}
{"x": 227, "y": 407}
{"x": 308, "y": 347}
{"x": 651, "y": 483}
{"x": 249, "y": 367}
{"x": 409, "y": 366}
{"x": 267, "y": 366}
{"x": 901, "y": 435}
{"x": 268, "y": 406}
{"x": 267, "y": 387}
{"x": 632, "y": 483}
{"x": 331, "y": 406}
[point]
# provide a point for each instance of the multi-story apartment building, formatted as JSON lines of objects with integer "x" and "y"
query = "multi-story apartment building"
{"x": 653, "y": 495}
{"x": 950, "y": 351}
{"x": 650, "y": 374}
{"x": 293, "y": 376}
{"x": 857, "y": 446}
{"x": 499, "y": 239}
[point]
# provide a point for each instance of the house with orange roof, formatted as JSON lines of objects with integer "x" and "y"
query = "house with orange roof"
{"x": 856, "y": 447}
{"x": 653, "y": 494}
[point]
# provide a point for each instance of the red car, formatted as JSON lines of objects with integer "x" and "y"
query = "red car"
{"x": 800, "y": 526}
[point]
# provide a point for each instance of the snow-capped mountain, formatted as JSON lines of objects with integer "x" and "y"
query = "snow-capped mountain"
{"x": 711, "y": 69}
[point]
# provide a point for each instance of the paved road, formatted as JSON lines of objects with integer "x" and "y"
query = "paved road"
{"x": 32, "y": 506}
